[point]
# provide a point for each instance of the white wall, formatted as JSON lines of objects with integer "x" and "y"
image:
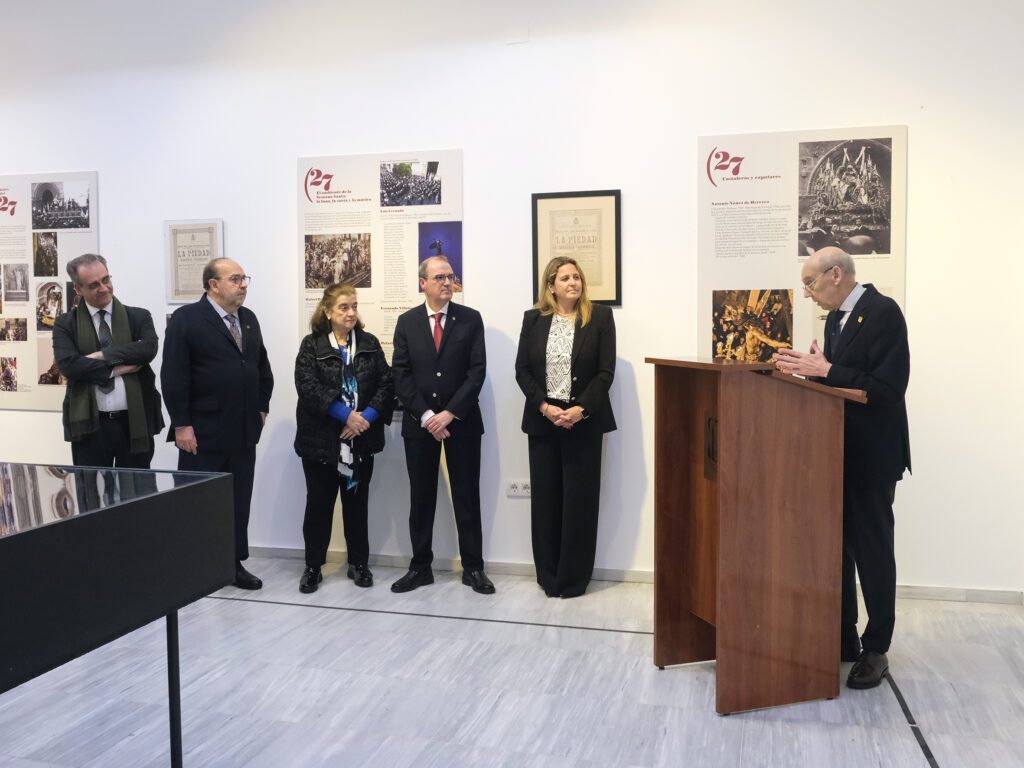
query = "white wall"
{"x": 199, "y": 109}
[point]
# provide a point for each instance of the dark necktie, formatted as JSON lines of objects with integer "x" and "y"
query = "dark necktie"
{"x": 105, "y": 339}
{"x": 837, "y": 331}
{"x": 438, "y": 330}
{"x": 236, "y": 334}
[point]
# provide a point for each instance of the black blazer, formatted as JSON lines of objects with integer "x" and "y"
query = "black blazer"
{"x": 140, "y": 351}
{"x": 872, "y": 354}
{"x": 211, "y": 386}
{"x": 593, "y": 368}
{"x": 449, "y": 379}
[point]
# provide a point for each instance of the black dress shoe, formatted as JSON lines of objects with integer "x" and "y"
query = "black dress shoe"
{"x": 850, "y": 651}
{"x": 869, "y": 671}
{"x": 311, "y": 578}
{"x": 361, "y": 575}
{"x": 244, "y": 579}
{"x": 478, "y": 581}
{"x": 413, "y": 579}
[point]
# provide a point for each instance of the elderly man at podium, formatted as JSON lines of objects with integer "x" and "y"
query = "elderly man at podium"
{"x": 865, "y": 348}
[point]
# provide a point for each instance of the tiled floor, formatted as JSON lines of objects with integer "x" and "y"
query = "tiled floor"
{"x": 445, "y": 677}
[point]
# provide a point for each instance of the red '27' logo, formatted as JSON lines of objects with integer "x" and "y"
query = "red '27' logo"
{"x": 317, "y": 178}
{"x": 7, "y": 205}
{"x": 722, "y": 161}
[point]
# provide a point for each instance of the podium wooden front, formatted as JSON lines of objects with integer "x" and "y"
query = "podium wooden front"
{"x": 748, "y": 528}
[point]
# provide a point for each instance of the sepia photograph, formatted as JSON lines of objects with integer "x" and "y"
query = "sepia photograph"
{"x": 8, "y": 374}
{"x": 748, "y": 326}
{"x": 15, "y": 282}
{"x": 13, "y": 329}
{"x": 409, "y": 184}
{"x": 46, "y": 365}
{"x": 442, "y": 238}
{"x": 44, "y": 254}
{"x": 49, "y": 305}
{"x": 343, "y": 258}
{"x": 845, "y": 196}
{"x": 60, "y": 205}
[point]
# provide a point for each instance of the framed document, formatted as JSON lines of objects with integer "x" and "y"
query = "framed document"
{"x": 188, "y": 245}
{"x": 586, "y": 227}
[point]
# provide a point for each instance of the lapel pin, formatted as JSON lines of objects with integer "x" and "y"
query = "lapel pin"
{"x": 860, "y": 318}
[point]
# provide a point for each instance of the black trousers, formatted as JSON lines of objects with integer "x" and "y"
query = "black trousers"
{"x": 868, "y": 548}
{"x": 323, "y": 483}
{"x": 110, "y": 446}
{"x": 565, "y": 480}
{"x": 241, "y": 463}
{"x": 462, "y": 457}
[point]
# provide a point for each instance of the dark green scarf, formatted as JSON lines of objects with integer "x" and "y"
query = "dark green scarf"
{"x": 83, "y": 413}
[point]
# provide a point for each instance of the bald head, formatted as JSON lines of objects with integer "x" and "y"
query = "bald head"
{"x": 833, "y": 256}
{"x": 828, "y": 276}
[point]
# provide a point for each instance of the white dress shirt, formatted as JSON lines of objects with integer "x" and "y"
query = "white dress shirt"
{"x": 429, "y": 414}
{"x": 847, "y": 306}
{"x": 116, "y": 399}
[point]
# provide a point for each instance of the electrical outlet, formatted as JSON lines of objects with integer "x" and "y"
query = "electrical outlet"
{"x": 517, "y": 489}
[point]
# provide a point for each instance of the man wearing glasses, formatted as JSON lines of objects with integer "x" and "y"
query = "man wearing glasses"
{"x": 439, "y": 365}
{"x": 865, "y": 348}
{"x": 104, "y": 348}
{"x": 217, "y": 385}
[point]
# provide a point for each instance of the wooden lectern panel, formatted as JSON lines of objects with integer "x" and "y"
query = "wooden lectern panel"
{"x": 685, "y": 527}
{"x": 780, "y": 529}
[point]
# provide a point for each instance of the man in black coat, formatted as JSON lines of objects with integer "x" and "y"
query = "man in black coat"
{"x": 865, "y": 348}
{"x": 217, "y": 385}
{"x": 111, "y": 407}
{"x": 439, "y": 364}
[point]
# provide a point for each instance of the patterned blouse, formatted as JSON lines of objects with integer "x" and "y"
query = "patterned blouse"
{"x": 559, "y": 357}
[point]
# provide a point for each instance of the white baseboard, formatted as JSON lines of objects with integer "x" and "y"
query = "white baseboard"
{"x": 954, "y": 594}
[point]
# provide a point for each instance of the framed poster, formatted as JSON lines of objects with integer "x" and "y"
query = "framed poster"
{"x": 585, "y": 226}
{"x": 188, "y": 246}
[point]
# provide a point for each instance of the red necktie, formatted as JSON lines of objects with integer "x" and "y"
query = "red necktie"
{"x": 437, "y": 330}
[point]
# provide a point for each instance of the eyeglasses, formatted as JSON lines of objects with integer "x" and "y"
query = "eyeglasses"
{"x": 105, "y": 281}
{"x": 442, "y": 279}
{"x": 242, "y": 280}
{"x": 810, "y": 286}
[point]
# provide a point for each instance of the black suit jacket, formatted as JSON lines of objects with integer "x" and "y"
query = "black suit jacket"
{"x": 450, "y": 379}
{"x": 872, "y": 354}
{"x": 593, "y": 367}
{"x": 211, "y": 386}
{"x": 141, "y": 351}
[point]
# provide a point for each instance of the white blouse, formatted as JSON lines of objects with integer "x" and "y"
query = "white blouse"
{"x": 559, "y": 357}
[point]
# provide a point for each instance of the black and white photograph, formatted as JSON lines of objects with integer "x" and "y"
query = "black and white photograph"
{"x": 16, "y": 282}
{"x": 60, "y": 205}
{"x": 49, "y": 305}
{"x": 404, "y": 184}
{"x": 846, "y": 196}
{"x": 73, "y": 297}
{"x": 13, "y": 329}
{"x": 339, "y": 258}
{"x": 44, "y": 254}
{"x": 47, "y": 367}
{"x": 8, "y": 374}
{"x": 748, "y": 326}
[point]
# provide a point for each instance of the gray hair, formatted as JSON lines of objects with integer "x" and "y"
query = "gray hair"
{"x": 81, "y": 261}
{"x": 423, "y": 264}
{"x": 210, "y": 271}
{"x": 836, "y": 257}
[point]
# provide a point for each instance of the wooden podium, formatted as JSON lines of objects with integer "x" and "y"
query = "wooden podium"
{"x": 748, "y": 528}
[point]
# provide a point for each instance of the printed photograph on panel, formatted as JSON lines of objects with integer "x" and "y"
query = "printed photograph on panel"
{"x": 47, "y": 366}
{"x": 748, "y": 326}
{"x": 60, "y": 205}
{"x": 338, "y": 259}
{"x": 13, "y": 329}
{"x": 73, "y": 297}
{"x": 409, "y": 184}
{"x": 845, "y": 196}
{"x": 49, "y": 305}
{"x": 15, "y": 282}
{"x": 44, "y": 254}
{"x": 8, "y": 374}
{"x": 442, "y": 238}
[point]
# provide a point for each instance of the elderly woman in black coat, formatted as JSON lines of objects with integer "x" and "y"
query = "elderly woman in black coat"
{"x": 345, "y": 398}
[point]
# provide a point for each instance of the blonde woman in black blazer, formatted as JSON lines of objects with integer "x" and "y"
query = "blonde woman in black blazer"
{"x": 565, "y": 365}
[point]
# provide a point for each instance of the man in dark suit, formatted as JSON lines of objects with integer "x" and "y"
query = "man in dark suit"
{"x": 865, "y": 348}
{"x": 439, "y": 364}
{"x": 111, "y": 407}
{"x": 217, "y": 384}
